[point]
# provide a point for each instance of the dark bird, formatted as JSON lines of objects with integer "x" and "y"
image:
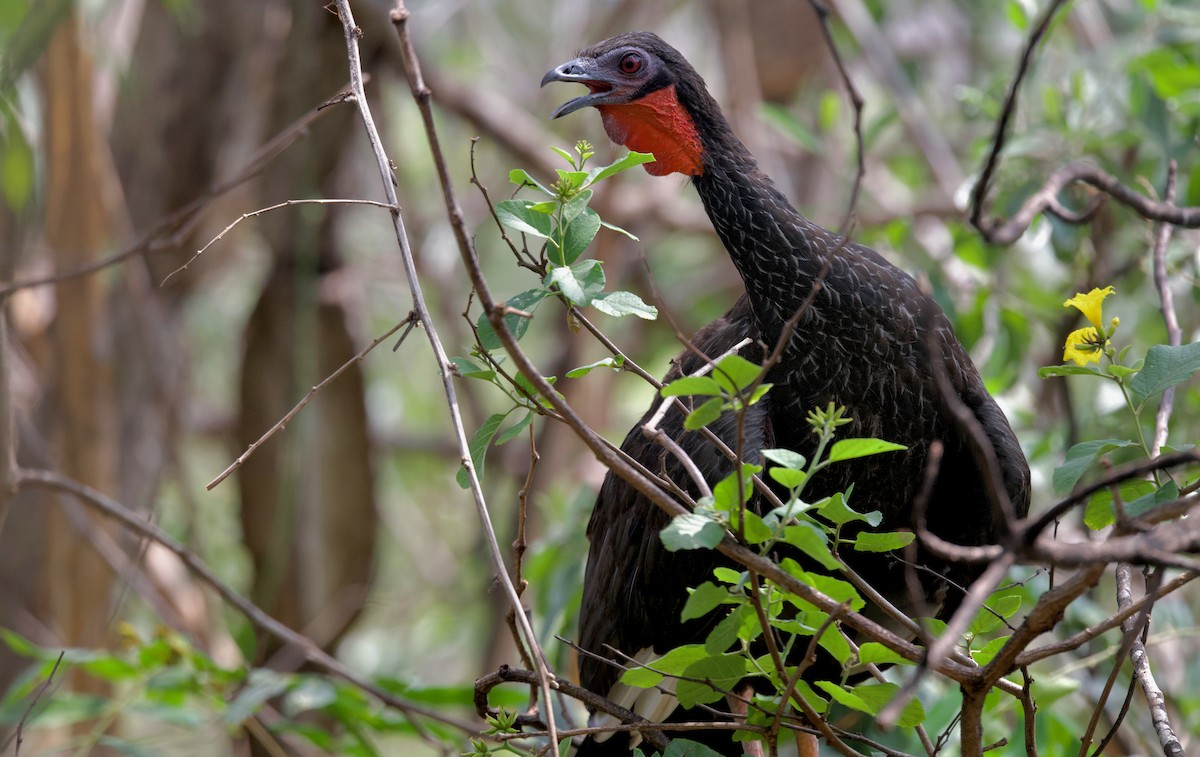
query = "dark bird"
{"x": 872, "y": 341}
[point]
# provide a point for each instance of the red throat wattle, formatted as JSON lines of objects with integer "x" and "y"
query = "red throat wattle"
{"x": 657, "y": 123}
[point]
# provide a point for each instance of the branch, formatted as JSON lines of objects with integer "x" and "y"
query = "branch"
{"x": 37, "y": 694}
{"x": 1141, "y": 668}
{"x": 1007, "y": 232}
{"x": 261, "y": 620}
{"x": 1003, "y": 232}
{"x": 261, "y": 211}
{"x": 1167, "y": 299}
{"x": 593, "y": 701}
{"x": 856, "y": 100}
{"x": 168, "y": 233}
{"x": 410, "y": 320}
{"x": 1009, "y": 109}
{"x": 421, "y": 94}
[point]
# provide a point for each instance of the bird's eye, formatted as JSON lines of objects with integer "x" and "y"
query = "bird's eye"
{"x": 631, "y": 63}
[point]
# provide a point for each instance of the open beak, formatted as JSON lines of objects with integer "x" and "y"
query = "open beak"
{"x": 583, "y": 71}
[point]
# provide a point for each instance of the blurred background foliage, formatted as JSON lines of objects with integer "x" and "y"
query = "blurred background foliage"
{"x": 349, "y": 526}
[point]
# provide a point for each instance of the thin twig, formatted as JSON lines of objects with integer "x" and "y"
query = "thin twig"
{"x": 856, "y": 100}
{"x": 1007, "y": 112}
{"x": 261, "y": 211}
{"x": 169, "y": 232}
{"x": 1167, "y": 302}
{"x": 37, "y": 694}
{"x": 287, "y": 418}
{"x": 421, "y": 94}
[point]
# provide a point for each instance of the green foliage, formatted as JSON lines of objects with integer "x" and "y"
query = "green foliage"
{"x": 165, "y": 680}
{"x": 568, "y": 226}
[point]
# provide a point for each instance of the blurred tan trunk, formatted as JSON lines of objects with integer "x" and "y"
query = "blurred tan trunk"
{"x": 77, "y": 583}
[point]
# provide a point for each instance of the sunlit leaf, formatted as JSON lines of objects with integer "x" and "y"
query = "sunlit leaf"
{"x": 692, "y": 531}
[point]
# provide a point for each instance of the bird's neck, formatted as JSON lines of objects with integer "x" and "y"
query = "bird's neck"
{"x": 778, "y": 252}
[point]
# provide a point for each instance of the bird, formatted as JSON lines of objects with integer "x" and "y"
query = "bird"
{"x": 871, "y": 341}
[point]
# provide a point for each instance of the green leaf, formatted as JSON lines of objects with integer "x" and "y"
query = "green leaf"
{"x": 832, "y": 640}
{"x": 688, "y": 386}
{"x": 724, "y": 671}
{"x": 110, "y": 668}
{"x": 868, "y": 541}
{"x": 734, "y": 373}
{"x": 579, "y": 283}
{"x": 704, "y": 599}
{"x": 990, "y": 650}
{"x": 1080, "y": 458}
{"x": 564, "y": 154}
{"x": 1067, "y": 370}
{"x": 788, "y": 477}
{"x": 615, "y": 363}
{"x": 849, "y": 449}
{"x": 621, "y": 303}
{"x": 728, "y": 575}
{"x": 526, "y": 302}
{"x": 834, "y": 588}
{"x": 619, "y": 230}
{"x": 755, "y": 531}
{"x": 845, "y": 698}
{"x": 1100, "y": 512}
{"x": 579, "y": 234}
{"x": 21, "y": 645}
{"x": 786, "y": 458}
{"x": 692, "y": 531}
{"x": 478, "y": 447}
{"x": 877, "y": 695}
{"x": 812, "y": 541}
{"x": 872, "y": 652}
{"x": 705, "y": 414}
{"x": 726, "y": 632}
{"x": 672, "y": 663}
{"x": 261, "y": 685}
{"x": 16, "y": 166}
{"x": 519, "y": 215}
{"x": 1104, "y": 514}
{"x": 725, "y": 493}
{"x": 837, "y": 510}
{"x": 513, "y": 431}
{"x": 468, "y": 368}
{"x": 1165, "y": 367}
{"x": 522, "y": 178}
{"x": 67, "y": 708}
{"x": 1120, "y": 371}
{"x": 991, "y": 617}
{"x": 686, "y": 748}
{"x": 631, "y": 159}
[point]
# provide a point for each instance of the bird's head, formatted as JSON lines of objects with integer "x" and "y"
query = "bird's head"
{"x": 649, "y": 98}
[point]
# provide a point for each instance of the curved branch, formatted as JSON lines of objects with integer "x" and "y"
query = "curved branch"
{"x": 1009, "y": 231}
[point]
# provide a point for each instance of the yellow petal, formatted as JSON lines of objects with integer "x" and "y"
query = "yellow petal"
{"x": 1083, "y": 346}
{"x": 1090, "y": 304}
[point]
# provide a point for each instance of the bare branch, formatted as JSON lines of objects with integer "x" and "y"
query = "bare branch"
{"x": 409, "y": 321}
{"x": 421, "y": 94}
{"x": 261, "y": 620}
{"x": 168, "y": 233}
{"x": 261, "y": 211}
{"x": 37, "y": 694}
{"x": 1167, "y": 302}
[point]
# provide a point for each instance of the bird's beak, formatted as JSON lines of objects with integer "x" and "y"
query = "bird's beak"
{"x": 583, "y": 71}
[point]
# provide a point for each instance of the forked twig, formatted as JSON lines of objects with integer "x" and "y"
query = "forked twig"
{"x": 410, "y": 320}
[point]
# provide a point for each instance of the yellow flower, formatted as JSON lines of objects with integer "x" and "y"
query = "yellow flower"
{"x": 1090, "y": 305}
{"x": 1084, "y": 346}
